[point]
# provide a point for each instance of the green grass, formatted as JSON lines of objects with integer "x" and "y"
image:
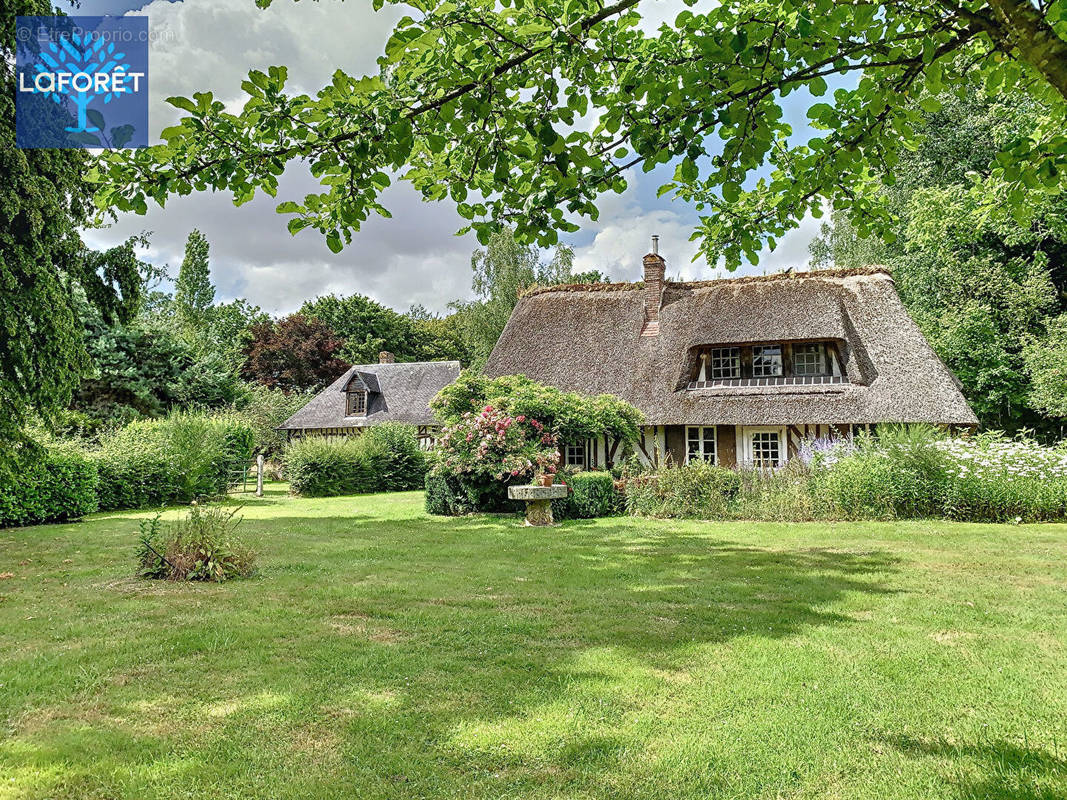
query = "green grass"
{"x": 382, "y": 653}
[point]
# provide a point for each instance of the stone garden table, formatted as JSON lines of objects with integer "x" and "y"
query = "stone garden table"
{"x": 538, "y": 501}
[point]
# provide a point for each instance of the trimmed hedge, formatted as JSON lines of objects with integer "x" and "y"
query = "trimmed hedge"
{"x": 175, "y": 459}
{"x": 591, "y": 495}
{"x": 58, "y": 485}
{"x": 445, "y": 496}
{"x": 385, "y": 458}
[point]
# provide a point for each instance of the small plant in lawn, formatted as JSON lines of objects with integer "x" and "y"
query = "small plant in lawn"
{"x": 202, "y": 546}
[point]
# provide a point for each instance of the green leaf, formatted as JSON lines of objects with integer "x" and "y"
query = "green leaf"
{"x": 333, "y": 241}
{"x": 96, "y": 118}
{"x": 930, "y": 104}
{"x": 731, "y": 192}
{"x": 184, "y": 103}
{"x": 121, "y": 135}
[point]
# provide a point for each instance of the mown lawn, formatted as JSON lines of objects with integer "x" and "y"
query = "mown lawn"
{"x": 383, "y": 653}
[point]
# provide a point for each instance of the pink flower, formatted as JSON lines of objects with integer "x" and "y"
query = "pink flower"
{"x": 521, "y": 418}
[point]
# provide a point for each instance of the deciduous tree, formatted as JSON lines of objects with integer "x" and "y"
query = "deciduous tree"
{"x": 525, "y": 113}
{"x": 502, "y": 271}
{"x": 296, "y": 353}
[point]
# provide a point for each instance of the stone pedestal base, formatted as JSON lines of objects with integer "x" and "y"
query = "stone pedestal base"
{"x": 539, "y": 512}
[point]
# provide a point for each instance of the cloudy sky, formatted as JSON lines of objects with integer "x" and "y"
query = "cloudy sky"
{"x": 414, "y": 257}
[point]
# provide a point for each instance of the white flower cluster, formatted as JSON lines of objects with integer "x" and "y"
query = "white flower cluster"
{"x": 987, "y": 457}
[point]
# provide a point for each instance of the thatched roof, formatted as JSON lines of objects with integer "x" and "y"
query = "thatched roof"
{"x": 588, "y": 339}
{"x": 397, "y": 392}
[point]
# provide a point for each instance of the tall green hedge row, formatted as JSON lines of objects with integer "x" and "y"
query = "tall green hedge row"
{"x": 175, "y": 459}
{"x": 172, "y": 460}
{"x": 385, "y": 458}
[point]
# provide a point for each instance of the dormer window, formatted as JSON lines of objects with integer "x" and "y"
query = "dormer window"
{"x": 767, "y": 361}
{"x": 724, "y": 363}
{"x": 783, "y": 363}
{"x": 810, "y": 359}
{"x": 357, "y": 403}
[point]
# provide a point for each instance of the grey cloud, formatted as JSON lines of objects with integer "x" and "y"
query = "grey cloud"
{"x": 413, "y": 257}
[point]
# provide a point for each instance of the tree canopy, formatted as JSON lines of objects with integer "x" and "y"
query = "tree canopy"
{"x": 502, "y": 271}
{"x": 526, "y": 113}
{"x": 366, "y": 326}
{"x": 986, "y": 290}
{"x": 296, "y": 353}
{"x": 194, "y": 294}
{"x": 572, "y": 417}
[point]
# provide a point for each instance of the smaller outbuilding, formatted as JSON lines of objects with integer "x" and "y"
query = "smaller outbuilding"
{"x": 369, "y": 394}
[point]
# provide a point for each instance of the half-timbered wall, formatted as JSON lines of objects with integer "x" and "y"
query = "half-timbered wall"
{"x": 427, "y": 434}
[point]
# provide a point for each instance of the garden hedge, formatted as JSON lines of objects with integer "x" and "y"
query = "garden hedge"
{"x": 56, "y": 486}
{"x": 176, "y": 459}
{"x": 384, "y": 458}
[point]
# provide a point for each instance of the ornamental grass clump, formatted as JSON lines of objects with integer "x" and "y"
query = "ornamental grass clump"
{"x": 202, "y": 546}
{"x": 485, "y": 452}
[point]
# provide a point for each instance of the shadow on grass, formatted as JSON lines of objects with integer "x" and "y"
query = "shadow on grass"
{"x": 429, "y": 651}
{"x": 1003, "y": 770}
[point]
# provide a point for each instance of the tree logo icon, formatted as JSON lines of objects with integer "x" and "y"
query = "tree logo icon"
{"x": 87, "y": 68}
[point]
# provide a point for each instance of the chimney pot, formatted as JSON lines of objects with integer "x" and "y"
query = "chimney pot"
{"x": 385, "y": 357}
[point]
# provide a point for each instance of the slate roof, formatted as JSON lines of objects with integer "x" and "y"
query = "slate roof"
{"x": 399, "y": 392}
{"x": 587, "y": 338}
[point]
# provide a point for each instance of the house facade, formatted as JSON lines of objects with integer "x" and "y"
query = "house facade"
{"x": 369, "y": 394}
{"x": 734, "y": 371}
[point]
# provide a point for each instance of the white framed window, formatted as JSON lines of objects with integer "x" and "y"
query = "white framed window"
{"x": 766, "y": 361}
{"x": 724, "y": 363}
{"x": 701, "y": 444}
{"x": 357, "y": 404}
{"x": 764, "y": 447}
{"x": 574, "y": 455}
{"x": 810, "y": 359}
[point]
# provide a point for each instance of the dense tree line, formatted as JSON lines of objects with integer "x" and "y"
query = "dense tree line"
{"x": 989, "y": 291}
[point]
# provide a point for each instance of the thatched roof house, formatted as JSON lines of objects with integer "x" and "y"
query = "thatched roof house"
{"x": 734, "y": 370}
{"x": 368, "y": 394}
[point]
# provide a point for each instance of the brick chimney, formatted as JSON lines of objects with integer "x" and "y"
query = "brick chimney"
{"x": 385, "y": 357}
{"x": 655, "y": 268}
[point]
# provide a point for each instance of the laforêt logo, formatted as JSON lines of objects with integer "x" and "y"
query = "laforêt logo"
{"x": 82, "y": 82}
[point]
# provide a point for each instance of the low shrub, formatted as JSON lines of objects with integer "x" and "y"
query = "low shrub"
{"x": 445, "y": 496}
{"x": 592, "y": 494}
{"x": 782, "y": 495}
{"x": 405, "y": 466}
{"x": 176, "y": 459}
{"x": 993, "y": 479}
{"x": 318, "y": 467}
{"x": 202, "y": 546}
{"x": 53, "y": 485}
{"x": 697, "y": 489}
{"x": 901, "y": 473}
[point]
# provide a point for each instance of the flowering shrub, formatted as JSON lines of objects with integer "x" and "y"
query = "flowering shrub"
{"x": 825, "y": 451}
{"x": 490, "y": 450}
{"x": 1002, "y": 480}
